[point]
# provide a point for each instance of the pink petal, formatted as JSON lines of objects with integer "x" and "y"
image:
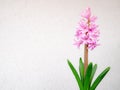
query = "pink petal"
{"x": 86, "y": 13}
{"x": 93, "y": 18}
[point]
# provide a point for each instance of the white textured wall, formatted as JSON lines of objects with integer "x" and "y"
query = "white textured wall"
{"x": 36, "y": 38}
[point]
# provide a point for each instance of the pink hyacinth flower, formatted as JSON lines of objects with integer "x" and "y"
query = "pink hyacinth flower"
{"x": 87, "y": 31}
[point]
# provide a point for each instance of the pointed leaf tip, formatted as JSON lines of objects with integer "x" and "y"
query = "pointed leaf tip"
{"x": 99, "y": 78}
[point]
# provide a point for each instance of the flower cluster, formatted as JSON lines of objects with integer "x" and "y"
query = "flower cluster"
{"x": 87, "y": 31}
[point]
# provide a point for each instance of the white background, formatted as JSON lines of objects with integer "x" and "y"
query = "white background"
{"x": 36, "y": 39}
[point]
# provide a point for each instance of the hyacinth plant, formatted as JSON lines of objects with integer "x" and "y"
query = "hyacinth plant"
{"x": 87, "y": 34}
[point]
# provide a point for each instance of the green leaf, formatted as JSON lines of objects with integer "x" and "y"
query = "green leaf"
{"x": 99, "y": 78}
{"x": 87, "y": 76}
{"x": 81, "y": 70}
{"x": 93, "y": 72}
{"x": 76, "y": 75}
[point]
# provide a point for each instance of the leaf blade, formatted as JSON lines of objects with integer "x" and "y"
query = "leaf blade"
{"x": 93, "y": 72}
{"x": 75, "y": 75}
{"x": 87, "y": 76}
{"x": 99, "y": 78}
{"x": 81, "y": 70}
